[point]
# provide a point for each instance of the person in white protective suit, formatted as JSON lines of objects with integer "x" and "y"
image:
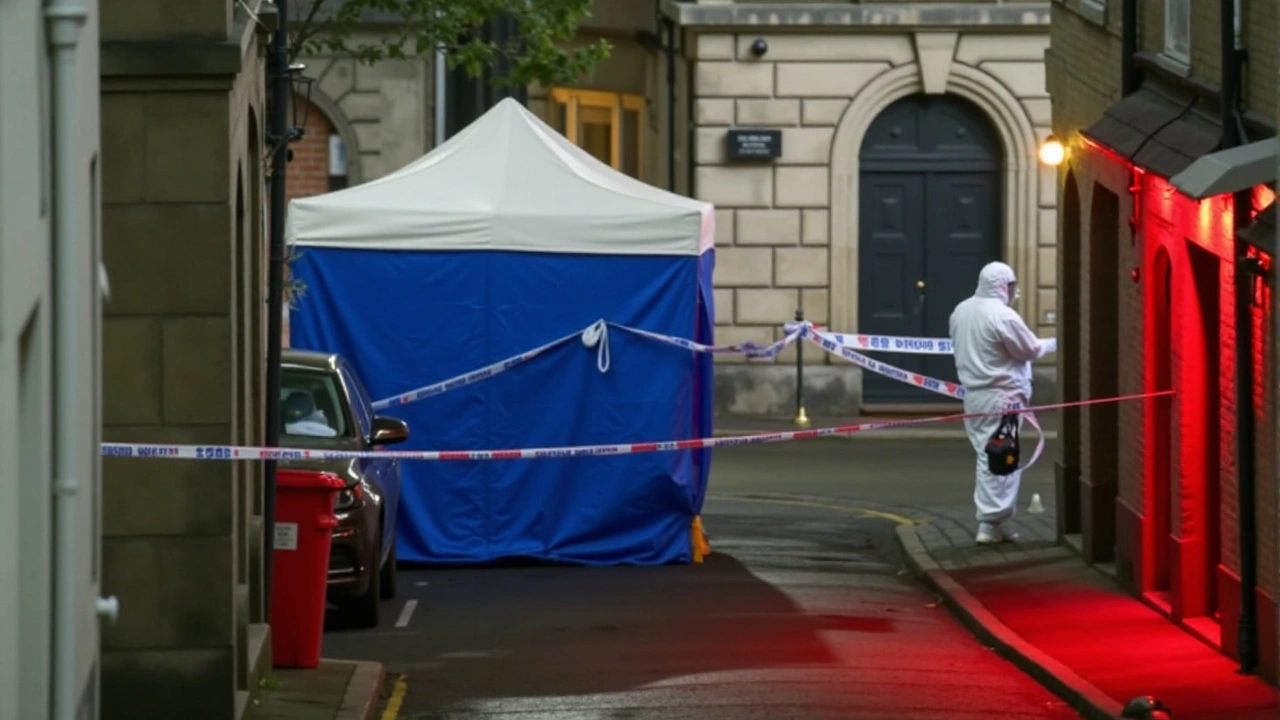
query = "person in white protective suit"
{"x": 993, "y": 352}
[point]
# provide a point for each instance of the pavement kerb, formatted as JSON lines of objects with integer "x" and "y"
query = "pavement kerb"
{"x": 1080, "y": 694}
{"x": 363, "y": 692}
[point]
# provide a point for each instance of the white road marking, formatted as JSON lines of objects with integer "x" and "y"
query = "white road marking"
{"x": 406, "y": 613}
{"x": 421, "y": 583}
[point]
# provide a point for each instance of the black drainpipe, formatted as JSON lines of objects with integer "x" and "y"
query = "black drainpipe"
{"x": 668, "y": 33}
{"x": 1128, "y": 47}
{"x": 1247, "y": 269}
{"x": 690, "y": 126}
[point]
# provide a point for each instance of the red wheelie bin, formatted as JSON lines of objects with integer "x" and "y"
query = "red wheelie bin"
{"x": 300, "y": 566}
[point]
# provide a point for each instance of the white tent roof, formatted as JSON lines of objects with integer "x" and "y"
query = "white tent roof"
{"x": 508, "y": 181}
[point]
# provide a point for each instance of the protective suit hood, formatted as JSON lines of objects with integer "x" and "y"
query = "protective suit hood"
{"x": 994, "y": 281}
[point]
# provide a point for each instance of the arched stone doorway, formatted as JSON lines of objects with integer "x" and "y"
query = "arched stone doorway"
{"x": 930, "y": 217}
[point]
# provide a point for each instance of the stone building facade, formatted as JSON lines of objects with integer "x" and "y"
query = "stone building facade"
{"x": 682, "y": 75}
{"x": 183, "y": 109}
{"x": 1167, "y": 241}
{"x": 381, "y": 116}
{"x": 909, "y": 136}
{"x": 50, "y": 342}
{"x": 377, "y": 118}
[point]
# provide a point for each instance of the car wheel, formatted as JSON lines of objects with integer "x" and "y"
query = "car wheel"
{"x": 388, "y": 579}
{"x": 365, "y": 609}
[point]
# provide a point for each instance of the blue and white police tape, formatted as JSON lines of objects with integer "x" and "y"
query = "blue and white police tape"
{"x": 753, "y": 351}
{"x": 884, "y": 343}
{"x": 483, "y": 373}
{"x": 942, "y": 387}
{"x": 594, "y": 336}
{"x": 891, "y": 343}
{"x": 247, "y": 452}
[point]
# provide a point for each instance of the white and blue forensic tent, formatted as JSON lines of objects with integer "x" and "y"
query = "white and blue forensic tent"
{"x": 503, "y": 239}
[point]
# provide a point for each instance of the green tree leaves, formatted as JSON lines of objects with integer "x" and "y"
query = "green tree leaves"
{"x": 544, "y": 51}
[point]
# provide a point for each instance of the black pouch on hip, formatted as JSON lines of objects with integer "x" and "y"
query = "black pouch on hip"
{"x": 1002, "y": 446}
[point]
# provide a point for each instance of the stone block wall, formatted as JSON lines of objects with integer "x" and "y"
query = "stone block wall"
{"x": 784, "y": 235}
{"x": 383, "y": 112}
{"x": 184, "y": 243}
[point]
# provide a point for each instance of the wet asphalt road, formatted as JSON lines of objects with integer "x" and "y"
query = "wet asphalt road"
{"x": 802, "y": 611}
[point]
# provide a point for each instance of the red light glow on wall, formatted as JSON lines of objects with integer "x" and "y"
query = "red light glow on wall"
{"x": 1111, "y": 154}
{"x": 1262, "y": 197}
{"x": 1181, "y": 270}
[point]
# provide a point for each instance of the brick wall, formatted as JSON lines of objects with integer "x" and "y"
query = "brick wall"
{"x": 1265, "y": 446}
{"x": 1135, "y": 333}
{"x": 308, "y": 172}
{"x": 1084, "y": 71}
{"x": 1082, "y": 68}
{"x": 1206, "y": 57}
{"x": 1082, "y": 77}
{"x": 1260, "y": 20}
{"x": 1229, "y": 477}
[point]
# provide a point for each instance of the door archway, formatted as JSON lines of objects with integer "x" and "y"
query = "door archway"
{"x": 1100, "y": 469}
{"x": 1070, "y": 322}
{"x": 1161, "y": 508}
{"x": 929, "y": 219}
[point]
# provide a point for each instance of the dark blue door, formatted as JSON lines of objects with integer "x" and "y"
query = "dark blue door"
{"x": 929, "y": 220}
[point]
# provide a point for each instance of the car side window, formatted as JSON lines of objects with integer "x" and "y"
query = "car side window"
{"x": 360, "y": 402}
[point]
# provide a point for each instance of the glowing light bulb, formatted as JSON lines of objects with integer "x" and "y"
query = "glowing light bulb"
{"x": 1052, "y": 152}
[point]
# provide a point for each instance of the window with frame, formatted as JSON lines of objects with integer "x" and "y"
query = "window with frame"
{"x": 605, "y": 124}
{"x": 1177, "y": 30}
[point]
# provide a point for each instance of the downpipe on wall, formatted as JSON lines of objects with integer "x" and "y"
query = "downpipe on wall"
{"x": 667, "y": 34}
{"x": 72, "y": 288}
{"x": 1128, "y": 47}
{"x": 441, "y": 98}
{"x": 1246, "y": 270}
{"x": 278, "y": 136}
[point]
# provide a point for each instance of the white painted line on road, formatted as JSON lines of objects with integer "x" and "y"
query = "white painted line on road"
{"x": 406, "y": 613}
{"x": 422, "y": 583}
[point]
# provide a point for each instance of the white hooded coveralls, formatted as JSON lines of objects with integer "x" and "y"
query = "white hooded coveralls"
{"x": 993, "y": 352}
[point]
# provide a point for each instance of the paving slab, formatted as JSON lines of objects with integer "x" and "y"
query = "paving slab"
{"x": 1074, "y": 630}
{"x": 336, "y": 690}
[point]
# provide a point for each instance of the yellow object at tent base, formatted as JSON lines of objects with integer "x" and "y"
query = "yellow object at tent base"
{"x": 698, "y": 538}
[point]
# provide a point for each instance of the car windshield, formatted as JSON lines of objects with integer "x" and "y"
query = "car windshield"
{"x": 311, "y": 404}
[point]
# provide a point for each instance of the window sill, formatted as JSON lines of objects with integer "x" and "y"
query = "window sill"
{"x": 1093, "y": 11}
{"x": 1173, "y": 65}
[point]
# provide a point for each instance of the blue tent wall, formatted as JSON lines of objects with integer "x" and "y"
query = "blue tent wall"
{"x": 704, "y": 410}
{"x": 406, "y": 319}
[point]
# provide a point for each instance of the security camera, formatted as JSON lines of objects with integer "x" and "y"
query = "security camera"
{"x": 759, "y": 47}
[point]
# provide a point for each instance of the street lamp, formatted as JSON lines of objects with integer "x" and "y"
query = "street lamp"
{"x": 301, "y": 85}
{"x": 1051, "y": 151}
{"x": 295, "y": 117}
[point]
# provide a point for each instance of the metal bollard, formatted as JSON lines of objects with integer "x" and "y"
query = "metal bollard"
{"x": 802, "y": 419}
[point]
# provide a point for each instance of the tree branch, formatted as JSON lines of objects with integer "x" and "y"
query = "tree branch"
{"x": 307, "y": 29}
